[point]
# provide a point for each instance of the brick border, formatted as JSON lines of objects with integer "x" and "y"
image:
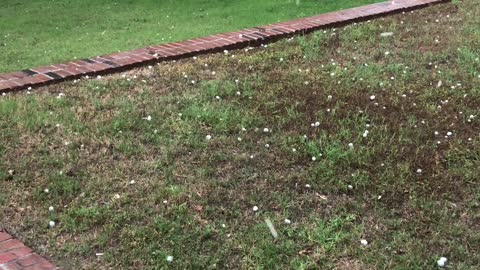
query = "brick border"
{"x": 14, "y": 255}
{"x": 226, "y": 41}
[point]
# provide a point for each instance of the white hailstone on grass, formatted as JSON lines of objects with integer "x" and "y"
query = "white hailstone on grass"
{"x": 306, "y": 82}
{"x": 287, "y": 221}
{"x": 51, "y": 209}
{"x": 165, "y": 201}
{"x": 238, "y": 93}
{"x": 294, "y": 150}
{"x": 308, "y": 186}
{"x": 46, "y": 190}
{"x": 350, "y": 187}
{"x": 372, "y": 97}
{"x": 150, "y": 67}
{"x": 29, "y": 88}
{"x": 314, "y": 158}
{"x": 365, "y": 133}
{"x": 332, "y": 74}
{"x": 99, "y": 77}
{"x": 442, "y": 261}
{"x": 148, "y": 118}
{"x": 252, "y": 156}
{"x": 192, "y": 81}
{"x": 208, "y": 137}
{"x": 317, "y": 124}
{"x": 155, "y": 131}
{"x": 266, "y": 130}
{"x": 239, "y": 139}
{"x": 350, "y": 145}
{"x": 363, "y": 242}
{"x": 169, "y": 258}
{"x": 217, "y": 97}
{"x": 51, "y": 224}
{"x": 132, "y": 182}
{"x": 281, "y": 59}
{"x": 419, "y": 170}
{"x": 436, "y": 133}
{"x": 470, "y": 139}
{"x": 214, "y": 72}
{"x": 449, "y": 133}
{"x": 255, "y": 208}
{"x": 267, "y": 145}
{"x": 244, "y": 129}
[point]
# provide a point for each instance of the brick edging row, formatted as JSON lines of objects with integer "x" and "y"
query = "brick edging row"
{"x": 226, "y": 41}
{"x": 14, "y": 255}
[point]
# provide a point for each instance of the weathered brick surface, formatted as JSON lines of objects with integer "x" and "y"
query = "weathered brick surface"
{"x": 14, "y": 255}
{"x": 247, "y": 37}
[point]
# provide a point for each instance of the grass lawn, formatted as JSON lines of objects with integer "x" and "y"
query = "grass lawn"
{"x": 335, "y": 137}
{"x": 41, "y": 32}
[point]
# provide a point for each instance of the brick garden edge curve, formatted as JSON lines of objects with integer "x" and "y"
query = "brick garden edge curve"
{"x": 14, "y": 255}
{"x": 255, "y": 36}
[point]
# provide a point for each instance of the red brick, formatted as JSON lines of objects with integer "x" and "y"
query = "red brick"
{"x": 64, "y": 73}
{"x": 4, "y": 236}
{"x": 45, "y": 265}
{"x": 13, "y": 75}
{"x": 30, "y": 260}
{"x": 7, "y": 85}
{"x": 21, "y": 251}
{"x": 6, "y": 257}
{"x": 10, "y": 244}
{"x": 10, "y": 266}
{"x": 45, "y": 69}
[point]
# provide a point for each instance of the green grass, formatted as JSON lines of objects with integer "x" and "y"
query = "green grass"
{"x": 139, "y": 188}
{"x": 41, "y": 32}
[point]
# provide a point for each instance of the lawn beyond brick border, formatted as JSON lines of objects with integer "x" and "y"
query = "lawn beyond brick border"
{"x": 171, "y": 51}
{"x": 232, "y": 40}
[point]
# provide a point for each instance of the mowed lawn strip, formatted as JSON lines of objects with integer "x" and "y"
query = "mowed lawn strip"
{"x": 335, "y": 137}
{"x": 41, "y": 32}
